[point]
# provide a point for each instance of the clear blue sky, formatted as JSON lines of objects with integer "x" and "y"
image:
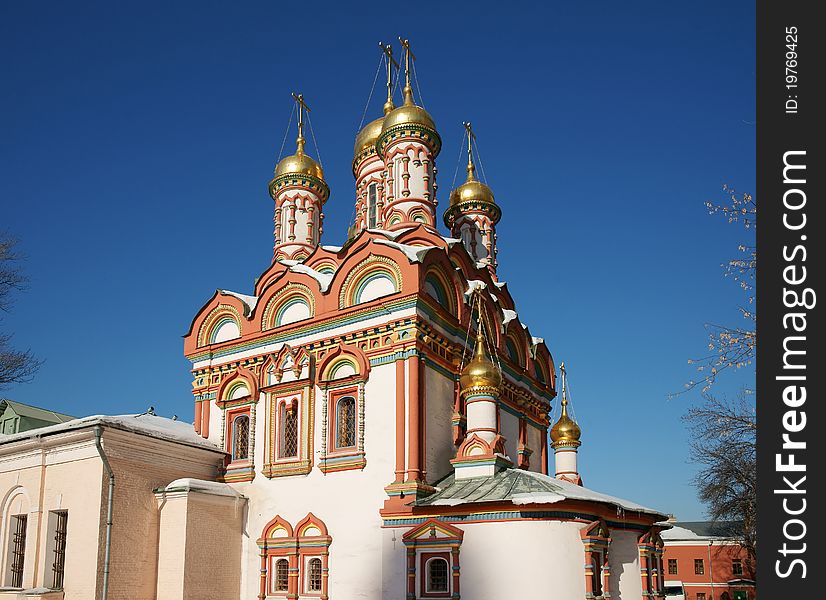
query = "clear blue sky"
{"x": 137, "y": 140}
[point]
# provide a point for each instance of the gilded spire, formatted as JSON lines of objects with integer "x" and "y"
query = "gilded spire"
{"x": 299, "y": 100}
{"x": 391, "y": 62}
{"x": 408, "y": 89}
{"x": 565, "y": 431}
{"x": 471, "y": 170}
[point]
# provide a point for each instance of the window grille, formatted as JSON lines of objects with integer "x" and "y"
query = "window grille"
{"x": 61, "y": 520}
{"x": 289, "y": 432}
{"x": 699, "y": 567}
{"x": 240, "y": 437}
{"x": 437, "y": 579}
{"x": 314, "y": 575}
{"x": 18, "y": 550}
{"x": 282, "y": 575}
{"x": 672, "y": 566}
{"x": 737, "y": 567}
{"x": 346, "y": 430}
{"x": 371, "y": 205}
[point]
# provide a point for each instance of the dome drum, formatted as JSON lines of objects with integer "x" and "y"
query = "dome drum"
{"x": 310, "y": 182}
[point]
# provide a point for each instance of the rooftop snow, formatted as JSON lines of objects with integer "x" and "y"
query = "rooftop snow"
{"x": 413, "y": 253}
{"x": 144, "y": 424}
{"x": 188, "y": 484}
{"x": 520, "y": 487}
{"x": 249, "y": 301}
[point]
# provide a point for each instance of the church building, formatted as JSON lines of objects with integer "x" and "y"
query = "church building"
{"x": 384, "y": 418}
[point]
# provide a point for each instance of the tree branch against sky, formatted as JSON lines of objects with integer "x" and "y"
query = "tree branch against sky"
{"x": 724, "y": 431}
{"x": 16, "y": 366}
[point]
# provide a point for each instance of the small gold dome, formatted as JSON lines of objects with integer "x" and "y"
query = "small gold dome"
{"x": 480, "y": 372}
{"x": 299, "y": 164}
{"x": 565, "y": 430}
{"x": 472, "y": 190}
{"x": 368, "y": 136}
{"x": 407, "y": 114}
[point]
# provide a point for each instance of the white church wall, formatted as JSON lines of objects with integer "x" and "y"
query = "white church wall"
{"x": 624, "y": 560}
{"x": 439, "y": 430}
{"x": 348, "y": 502}
{"x": 545, "y": 557}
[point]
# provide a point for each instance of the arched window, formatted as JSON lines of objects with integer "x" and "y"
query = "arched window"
{"x": 596, "y": 575}
{"x": 240, "y": 437}
{"x": 288, "y": 421}
{"x": 437, "y": 576}
{"x": 314, "y": 575}
{"x": 372, "y": 202}
{"x": 282, "y": 575}
{"x": 346, "y": 422}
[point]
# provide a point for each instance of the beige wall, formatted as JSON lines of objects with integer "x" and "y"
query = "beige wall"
{"x": 64, "y": 471}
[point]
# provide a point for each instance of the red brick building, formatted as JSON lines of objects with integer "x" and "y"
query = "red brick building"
{"x": 704, "y": 561}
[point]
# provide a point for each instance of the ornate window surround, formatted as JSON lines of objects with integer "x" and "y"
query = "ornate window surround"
{"x": 231, "y": 408}
{"x": 651, "y": 548}
{"x": 596, "y": 539}
{"x": 432, "y": 539}
{"x": 310, "y": 539}
{"x": 345, "y": 356}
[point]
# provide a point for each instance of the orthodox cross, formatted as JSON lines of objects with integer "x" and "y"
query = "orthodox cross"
{"x": 302, "y": 106}
{"x": 391, "y": 62}
{"x": 408, "y": 54}
{"x": 471, "y": 138}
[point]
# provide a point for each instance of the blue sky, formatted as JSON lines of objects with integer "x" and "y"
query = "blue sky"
{"x": 137, "y": 140}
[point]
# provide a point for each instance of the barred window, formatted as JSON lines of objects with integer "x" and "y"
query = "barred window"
{"x": 240, "y": 437}
{"x": 314, "y": 575}
{"x": 289, "y": 431}
{"x": 672, "y": 566}
{"x": 61, "y": 519}
{"x": 437, "y": 575}
{"x": 372, "y": 201}
{"x": 346, "y": 422}
{"x": 699, "y": 567}
{"x": 18, "y": 553}
{"x": 282, "y": 575}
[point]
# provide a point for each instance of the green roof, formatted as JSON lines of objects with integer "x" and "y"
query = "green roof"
{"x": 33, "y": 412}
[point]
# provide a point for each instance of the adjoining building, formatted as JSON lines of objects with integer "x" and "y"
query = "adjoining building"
{"x": 16, "y": 417}
{"x": 373, "y": 420}
{"x": 704, "y": 560}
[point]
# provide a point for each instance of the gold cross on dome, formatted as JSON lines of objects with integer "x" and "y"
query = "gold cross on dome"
{"x": 408, "y": 54}
{"x": 302, "y": 106}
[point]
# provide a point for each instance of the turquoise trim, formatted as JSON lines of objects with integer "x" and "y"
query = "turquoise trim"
{"x": 510, "y": 515}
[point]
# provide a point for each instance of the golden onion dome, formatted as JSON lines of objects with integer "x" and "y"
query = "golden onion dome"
{"x": 565, "y": 431}
{"x": 407, "y": 114}
{"x": 299, "y": 164}
{"x": 480, "y": 372}
{"x": 472, "y": 190}
{"x": 368, "y": 136}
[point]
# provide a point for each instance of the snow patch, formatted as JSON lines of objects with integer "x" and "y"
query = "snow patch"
{"x": 323, "y": 279}
{"x": 249, "y": 301}
{"x": 188, "y": 484}
{"x": 413, "y": 253}
{"x": 537, "y": 498}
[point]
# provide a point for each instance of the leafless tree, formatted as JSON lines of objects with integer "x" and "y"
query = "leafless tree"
{"x": 16, "y": 366}
{"x": 724, "y": 431}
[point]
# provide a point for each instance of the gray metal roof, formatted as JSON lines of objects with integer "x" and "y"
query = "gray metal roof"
{"x": 520, "y": 487}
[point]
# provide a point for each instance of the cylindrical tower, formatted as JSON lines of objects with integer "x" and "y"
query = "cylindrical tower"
{"x": 408, "y": 145}
{"x": 565, "y": 436}
{"x": 299, "y": 191}
{"x": 473, "y": 214}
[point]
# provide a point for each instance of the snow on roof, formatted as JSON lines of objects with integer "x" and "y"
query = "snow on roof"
{"x": 451, "y": 241}
{"x": 413, "y": 253}
{"x": 323, "y": 279}
{"x": 520, "y": 487}
{"x": 535, "y": 341}
{"x": 475, "y": 284}
{"x": 333, "y": 249}
{"x": 144, "y": 424}
{"x": 700, "y": 530}
{"x": 391, "y": 235}
{"x": 509, "y": 315}
{"x": 188, "y": 484}
{"x": 249, "y": 301}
